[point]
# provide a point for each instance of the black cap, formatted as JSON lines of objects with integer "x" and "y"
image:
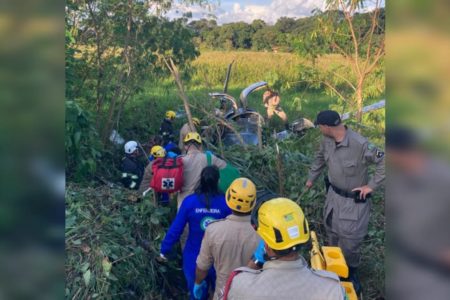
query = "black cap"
{"x": 328, "y": 117}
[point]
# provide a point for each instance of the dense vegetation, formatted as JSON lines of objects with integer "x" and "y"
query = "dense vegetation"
{"x": 116, "y": 79}
{"x": 286, "y": 35}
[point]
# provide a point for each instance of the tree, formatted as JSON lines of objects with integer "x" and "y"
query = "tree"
{"x": 258, "y": 24}
{"x": 359, "y": 41}
{"x": 285, "y": 25}
{"x": 242, "y": 36}
{"x": 119, "y": 44}
{"x": 265, "y": 38}
{"x": 202, "y": 26}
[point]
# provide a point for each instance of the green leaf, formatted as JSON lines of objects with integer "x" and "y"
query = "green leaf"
{"x": 154, "y": 219}
{"x": 87, "y": 277}
{"x": 76, "y": 242}
{"x": 84, "y": 267}
{"x": 107, "y": 265}
{"x": 70, "y": 221}
{"x": 160, "y": 211}
{"x": 77, "y": 137}
{"x": 112, "y": 277}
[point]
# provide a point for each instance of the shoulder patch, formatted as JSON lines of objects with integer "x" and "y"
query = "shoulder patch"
{"x": 325, "y": 274}
{"x": 379, "y": 154}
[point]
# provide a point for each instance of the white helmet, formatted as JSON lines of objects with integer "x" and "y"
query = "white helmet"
{"x": 130, "y": 147}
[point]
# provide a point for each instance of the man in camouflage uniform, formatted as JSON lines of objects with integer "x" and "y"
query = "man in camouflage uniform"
{"x": 285, "y": 275}
{"x": 347, "y": 207}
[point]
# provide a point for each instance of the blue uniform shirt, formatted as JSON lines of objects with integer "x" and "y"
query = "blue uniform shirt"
{"x": 193, "y": 211}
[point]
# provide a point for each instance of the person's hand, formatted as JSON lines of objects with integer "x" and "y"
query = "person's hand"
{"x": 309, "y": 184}
{"x": 161, "y": 258}
{"x": 198, "y": 289}
{"x": 258, "y": 255}
{"x": 364, "y": 190}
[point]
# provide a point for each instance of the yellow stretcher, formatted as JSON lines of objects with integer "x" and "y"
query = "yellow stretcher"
{"x": 331, "y": 259}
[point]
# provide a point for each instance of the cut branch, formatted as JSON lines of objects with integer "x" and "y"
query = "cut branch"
{"x": 181, "y": 92}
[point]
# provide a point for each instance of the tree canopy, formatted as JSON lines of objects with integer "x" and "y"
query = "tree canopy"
{"x": 287, "y": 34}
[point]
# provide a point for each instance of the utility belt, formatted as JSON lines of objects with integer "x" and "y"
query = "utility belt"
{"x": 352, "y": 195}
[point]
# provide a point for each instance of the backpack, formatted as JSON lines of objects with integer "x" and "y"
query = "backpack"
{"x": 167, "y": 175}
{"x": 227, "y": 174}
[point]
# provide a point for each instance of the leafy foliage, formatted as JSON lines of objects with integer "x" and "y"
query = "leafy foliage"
{"x": 112, "y": 49}
{"x": 81, "y": 143}
{"x": 112, "y": 240}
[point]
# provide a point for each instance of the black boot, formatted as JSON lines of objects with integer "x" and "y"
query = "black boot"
{"x": 353, "y": 277}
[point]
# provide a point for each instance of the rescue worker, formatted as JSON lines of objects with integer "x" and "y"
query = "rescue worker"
{"x": 271, "y": 100}
{"x": 194, "y": 162}
{"x": 132, "y": 168}
{"x": 285, "y": 274}
{"x": 228, "y": 243}
{"x": 347, "y": 207}
{"x": 198, "y": 210}
{"x": 166, "y": 129}
{"x": 185, "y": 129}
{"x": 156, "y": 152}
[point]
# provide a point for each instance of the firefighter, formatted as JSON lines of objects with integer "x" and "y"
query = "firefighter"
{"x": 132, "y": 168}
{"x": 155, "y": 153}
{"x": 285, "y": 274}
{"x": 166, "y": 129}
{"x": 185, "y": 129}
{"x": 228, "y": 243}
{"x": 193, "y": 163}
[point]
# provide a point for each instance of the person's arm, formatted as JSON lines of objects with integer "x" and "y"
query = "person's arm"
{"x": 145, "y": 183}
{"x": 218, "y": 162}
{"x": 257, "y": 260}
{"x": 204, "y": 259}
{"x": 317, "y": 166}
{"x": 374, "y": 155}
{"x": 182, "y": 135}
{"x": 200, "y": 275}
{"x": 176, "y": 229}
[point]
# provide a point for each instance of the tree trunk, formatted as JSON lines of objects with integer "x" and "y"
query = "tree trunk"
{"x": 359, "y": 101}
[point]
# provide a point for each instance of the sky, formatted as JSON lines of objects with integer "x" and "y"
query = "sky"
{"x": 227, "y": 11}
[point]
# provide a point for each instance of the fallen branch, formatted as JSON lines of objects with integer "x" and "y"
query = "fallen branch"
{"x": 181, "y": 92}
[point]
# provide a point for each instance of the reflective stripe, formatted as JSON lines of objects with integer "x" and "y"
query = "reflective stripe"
{"x": 134, "y": 177}
{"x": 133, "y": 184}
{"x": 124, "y": 175}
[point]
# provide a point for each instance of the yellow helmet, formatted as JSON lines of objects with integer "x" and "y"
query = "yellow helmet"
{"x": 196, "y": 121}
{"x": 192, "y": 136}
{"x": 241, "y": 195}
{"x": 158, "y": 151}
{"x": 170, "y": 114}
{"x": 282, "y": 224}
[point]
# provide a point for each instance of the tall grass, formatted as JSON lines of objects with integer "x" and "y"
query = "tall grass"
{"x": 249, "y": 66}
